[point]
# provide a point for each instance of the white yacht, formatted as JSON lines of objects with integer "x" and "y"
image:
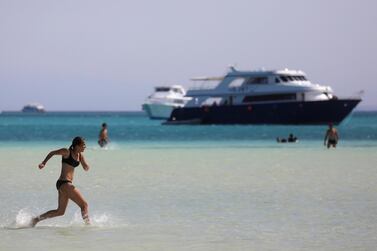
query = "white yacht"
{"x": 33, "y": 108}
{"x": 262, "y": 97}
{"x": 165, "y": 98}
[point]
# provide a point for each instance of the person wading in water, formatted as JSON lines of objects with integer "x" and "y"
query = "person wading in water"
{"x": 331, "y": 137}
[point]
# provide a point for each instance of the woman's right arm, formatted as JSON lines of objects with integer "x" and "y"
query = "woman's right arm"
{"x": 62, "y": 151}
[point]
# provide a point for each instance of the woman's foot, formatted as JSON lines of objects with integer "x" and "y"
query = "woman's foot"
{"x": 34, "y": 221}
{"x": 86, "y": 220}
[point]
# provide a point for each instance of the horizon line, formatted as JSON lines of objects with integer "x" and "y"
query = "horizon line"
{"x": 374, "y": 109}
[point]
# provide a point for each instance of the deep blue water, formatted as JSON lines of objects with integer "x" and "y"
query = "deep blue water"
{"x": 135, "y": 126}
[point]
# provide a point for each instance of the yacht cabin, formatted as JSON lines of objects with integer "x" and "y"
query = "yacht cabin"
{"x": 248, "y": 87}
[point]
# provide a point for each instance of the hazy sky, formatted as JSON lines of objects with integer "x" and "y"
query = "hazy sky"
{"x": 108, "y": 55}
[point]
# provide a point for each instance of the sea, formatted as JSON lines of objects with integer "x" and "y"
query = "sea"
{"x": 190, "y": 187}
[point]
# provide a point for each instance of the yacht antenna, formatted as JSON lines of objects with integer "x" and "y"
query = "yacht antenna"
{"x": 232, "y": 67}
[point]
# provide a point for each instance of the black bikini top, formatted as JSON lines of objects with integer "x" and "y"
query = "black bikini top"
{"x": 70, "y": 160}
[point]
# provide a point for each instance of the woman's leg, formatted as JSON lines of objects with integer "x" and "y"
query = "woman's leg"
{"x": 75, "y": 195}
{"x": 62, "y": 205}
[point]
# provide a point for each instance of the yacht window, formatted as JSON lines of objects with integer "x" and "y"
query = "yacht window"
{"x": 300, "y": 78}
{"x": 284, "y": 78}
{"x": 177, "y": 90}
{"x": 257, "y": 80}
{"x": 162, "y": 89}
{"x": 271, "y": 97}
{"x": 237, "y": 82}
{"x": 277, "y": 80}
{"x": 178, "y": 101}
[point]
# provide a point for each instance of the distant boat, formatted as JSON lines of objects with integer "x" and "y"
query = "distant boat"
{"x": 33, "y": 108}
{"x": 165, "y": 98}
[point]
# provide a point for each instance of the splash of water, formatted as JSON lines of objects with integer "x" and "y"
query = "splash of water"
{"x": 23, "y": 220}
{"x": 96, "y": 220}
{"x": 109, "y": 147}
{"x": 102, "y": 220}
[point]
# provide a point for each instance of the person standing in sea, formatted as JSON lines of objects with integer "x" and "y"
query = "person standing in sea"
{"x": 71, "y": 158}
{"x": 331, "y": 137}
{"x": 103, "y": 138}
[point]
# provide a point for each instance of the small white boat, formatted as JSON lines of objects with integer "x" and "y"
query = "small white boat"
{"x": 160, "y": 104}
{"x": 33, "y": 108}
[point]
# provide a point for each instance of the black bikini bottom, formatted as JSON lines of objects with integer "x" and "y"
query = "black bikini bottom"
{"x": 332, "y": 141}
{"x": 102, "y": 142}
{"x": 59, "y": 183}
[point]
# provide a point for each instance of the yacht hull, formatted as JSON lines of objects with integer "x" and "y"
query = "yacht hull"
{"x": 288, "y": 113}
{"x": 158, "y": 111}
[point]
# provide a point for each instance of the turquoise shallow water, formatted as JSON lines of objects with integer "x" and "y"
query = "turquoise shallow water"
{"x": 136, "y": 127}
{"x": 191, "y": 188}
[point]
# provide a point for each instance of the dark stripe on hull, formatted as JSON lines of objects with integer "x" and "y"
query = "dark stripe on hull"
{"x": 292, "y": 113}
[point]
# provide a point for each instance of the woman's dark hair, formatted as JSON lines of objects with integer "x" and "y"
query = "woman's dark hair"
{"x": 76, "y": 141}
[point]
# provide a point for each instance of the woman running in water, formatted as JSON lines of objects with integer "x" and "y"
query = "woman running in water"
{"x": 71, "y": 158}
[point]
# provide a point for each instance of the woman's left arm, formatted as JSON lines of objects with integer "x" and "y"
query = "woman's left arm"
{"x": 83, "y": 162}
